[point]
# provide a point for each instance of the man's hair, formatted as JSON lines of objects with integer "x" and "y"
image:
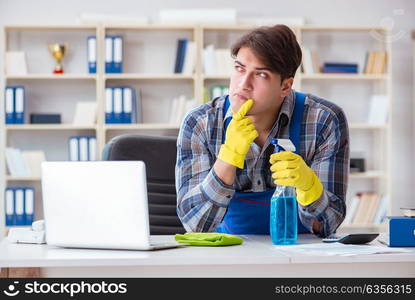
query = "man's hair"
{"x": 274, "y": 46}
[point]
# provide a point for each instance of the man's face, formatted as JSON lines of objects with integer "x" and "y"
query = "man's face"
{"x": 251, "y": 79}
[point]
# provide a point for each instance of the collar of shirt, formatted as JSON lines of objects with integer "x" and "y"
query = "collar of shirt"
{"x": 282, "y": 121}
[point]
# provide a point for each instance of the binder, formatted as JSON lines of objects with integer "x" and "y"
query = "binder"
{"x": 117, "y": 54}
{"x": 92, "y": 54}
{"x": 109, "y": 108}
{"x": 181, "y": 49}
{"x": 9, "y": 105}
{"x": 109, "y": 54}
{"x": 183, "y": 55}
{"x": 9, "y": 209}
{"x": 19, "y": 105}
{"x": 29, "y": 205}
{"x": 83, "y": 148}
{"x": 73, "y": 149}
{"x": 92, "y": 145}
{"x": 117, "y": 99}
{"x": 19, "y": 206}
{"x": 127, "y": 111}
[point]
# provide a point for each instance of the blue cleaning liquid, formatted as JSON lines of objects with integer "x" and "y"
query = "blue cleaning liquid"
{"x": 283, "y": 229}
{"x": 283, "y": 212}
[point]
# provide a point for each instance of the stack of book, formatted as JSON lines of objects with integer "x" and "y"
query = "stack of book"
{"x": 375, "y": 62}
{"x": 340, "y": 67}
{"x": 217, "y": 62}
{"x": 366, "y": 208}
{"x": 24, "y": 163}
{"x": 185, "y": 57}
{"x": 180, "y": 106}
{"x": 310, "y": 63}
{"x": 218, "y": 91}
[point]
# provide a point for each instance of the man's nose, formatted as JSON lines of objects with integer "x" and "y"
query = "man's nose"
{"x": 245, "y": 82}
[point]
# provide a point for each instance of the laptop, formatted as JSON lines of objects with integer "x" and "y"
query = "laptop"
{"x": 98, "y": 204}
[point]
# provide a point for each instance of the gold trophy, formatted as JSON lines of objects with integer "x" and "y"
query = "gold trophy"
{"x": 58, "y": 51}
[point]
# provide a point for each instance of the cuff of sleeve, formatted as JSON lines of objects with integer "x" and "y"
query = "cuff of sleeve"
{"x": 231, "y": 157}
{"x": 317, "y": 207}
{"x": 311, "y": 195}
{"x": 217, "y": 191}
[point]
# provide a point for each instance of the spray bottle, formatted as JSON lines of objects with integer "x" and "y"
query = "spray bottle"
{"x": 283, "y": 215}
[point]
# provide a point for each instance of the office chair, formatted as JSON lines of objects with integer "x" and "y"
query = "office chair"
{"x": 159, "y": 155}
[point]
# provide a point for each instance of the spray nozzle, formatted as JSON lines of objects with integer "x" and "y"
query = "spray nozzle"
{"x": 282, "y": 145}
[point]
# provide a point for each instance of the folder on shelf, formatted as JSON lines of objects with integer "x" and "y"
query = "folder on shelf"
{"x": 129, "y": 111}
{"x": 73, "y": 149}
{"x": 180, "y": 55}
{"x": 9, "y": 105}
{"x": 109, "y": 108}
{"x": 19, "y": 206}
{"x": 92, "y": 54}
{"x": 117, "y": 99}
{"x": 19, "y": 97}
{"x": 92, "y": 148}
{"x": 117, "y": 54}
{"x": 109, "y": 50}
{"x": 29, "y": 205}
{"x": 83, "y": 148}
{"x": 9, "y": 209}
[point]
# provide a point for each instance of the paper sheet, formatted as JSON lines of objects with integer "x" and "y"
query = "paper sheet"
{"x": 339, "y": 249}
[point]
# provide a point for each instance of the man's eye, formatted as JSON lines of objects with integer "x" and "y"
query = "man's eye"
{"x": 262, "y": 74}
{"x": 238, "y": 68}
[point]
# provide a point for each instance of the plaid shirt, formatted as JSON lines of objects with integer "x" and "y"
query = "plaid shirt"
{"x": 202, "y": 198}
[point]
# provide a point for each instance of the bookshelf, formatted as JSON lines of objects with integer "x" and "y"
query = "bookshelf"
{"x": 149, "y": 55}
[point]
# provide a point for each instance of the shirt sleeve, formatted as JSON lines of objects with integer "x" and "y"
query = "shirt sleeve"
{"x": 202, "y": 198}
{"x": 331, "y": 164}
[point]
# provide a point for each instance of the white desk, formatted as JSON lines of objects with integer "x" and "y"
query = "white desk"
{"x": 256, "y": 257}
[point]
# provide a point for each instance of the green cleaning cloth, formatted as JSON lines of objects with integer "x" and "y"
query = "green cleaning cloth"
{"x": 208, "y": 239}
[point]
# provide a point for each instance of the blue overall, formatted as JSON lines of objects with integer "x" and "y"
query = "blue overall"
{"x": 249, "y": 213}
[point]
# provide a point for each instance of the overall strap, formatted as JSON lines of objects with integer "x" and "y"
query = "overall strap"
{"x": 296, "y": 120}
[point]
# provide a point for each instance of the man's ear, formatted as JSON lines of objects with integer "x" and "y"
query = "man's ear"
{"x": 286, "y": 86}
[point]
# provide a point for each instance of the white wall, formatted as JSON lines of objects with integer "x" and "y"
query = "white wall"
{"x": 320, "y": 12}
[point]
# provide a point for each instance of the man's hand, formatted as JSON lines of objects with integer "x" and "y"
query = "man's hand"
{"x": 239, "y": 137}
{"x": 290, "y": 169}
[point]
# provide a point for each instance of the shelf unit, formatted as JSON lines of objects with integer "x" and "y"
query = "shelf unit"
{"x": 149, "y": 54}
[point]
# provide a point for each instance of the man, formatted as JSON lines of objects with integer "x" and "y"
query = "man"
{"x": 226, "y": 172}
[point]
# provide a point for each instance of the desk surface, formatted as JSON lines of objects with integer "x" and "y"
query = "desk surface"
{"x": 256, "y": 252}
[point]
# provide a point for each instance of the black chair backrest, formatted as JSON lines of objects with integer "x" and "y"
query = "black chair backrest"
{"x": 159, "y": 156}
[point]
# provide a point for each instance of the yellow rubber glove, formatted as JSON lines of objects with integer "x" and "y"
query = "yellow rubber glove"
{"x": 290, "y": 169}
{"x": 239, "y": 137}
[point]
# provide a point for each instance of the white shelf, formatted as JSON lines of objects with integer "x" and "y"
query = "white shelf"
{"x": 368, "y": 174}
{"x": 48, "y": 127}
{"x": 150, "y": 76}
{"x": 368, "y": 126}
{"x": 155, "y": 126}
{"x": 338, "y": 76}
{"x": 215, "y": 77}
{"x": 29, "y": 178}
{"x": 52, "y": 77}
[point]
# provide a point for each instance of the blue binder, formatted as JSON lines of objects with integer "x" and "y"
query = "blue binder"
{"x": 129, "y": 112}
{"x": 118, "y": 54}
{"x": 401, "y": 232}
{"x": 73, "y": 148}
{"x": 9, "y": 104}
{"x": 109, "y": 54}
{"x": 92, "y": 54}
{"x": 29, "y": 205}
{"x": 19, "y": 104}
{"x": 109, "y": 106}
{"x": 9, "y": 206}
{"x": 117, "y": 104}
{"x": 19, "y": 206}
